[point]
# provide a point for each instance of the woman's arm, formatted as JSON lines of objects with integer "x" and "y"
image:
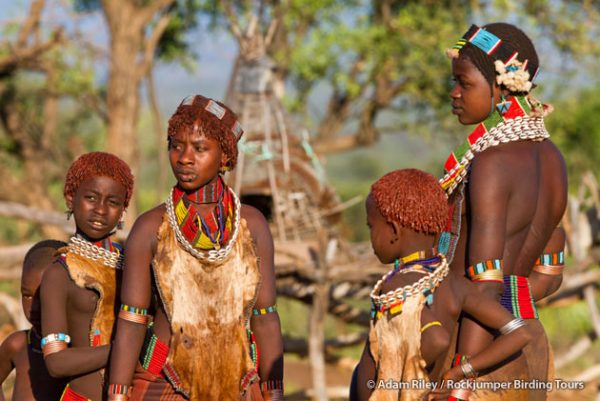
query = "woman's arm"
{"x": 542, "y": 284}
{"x": 266, "y": 327}
{"x": 8, "y": 349}
{"x": 135, "y": 292}
{"x": 70, "y": 361}
{"x": 363, "y": 379}
{"x": 491, "y": 314}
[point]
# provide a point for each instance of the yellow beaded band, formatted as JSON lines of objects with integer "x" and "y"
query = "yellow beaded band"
{"x": 430, "y": 324}
{"x": 550, "y": 270}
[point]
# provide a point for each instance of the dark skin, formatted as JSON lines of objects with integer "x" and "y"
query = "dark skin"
{"x": 454, "y": 295}
{"x": 97, "y": 205}
{"x": 516, "y": 196}
{"x": 196, "y": 161}
{"x": 15, "y": 353}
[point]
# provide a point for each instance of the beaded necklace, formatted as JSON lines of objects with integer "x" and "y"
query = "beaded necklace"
{"x": 110, "y": 253}
{"x": 514, "y": 125}
{"x": 519, "y": 122}
{"x": 207, "y": 237}
{"x": 434, "y": 271}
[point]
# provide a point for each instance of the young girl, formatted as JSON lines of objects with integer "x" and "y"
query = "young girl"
{"x": 416, "y": 305}
{"x": 517, "y": 184}
{"x": 79, "y": 291}
{"x": 21, "y": 350}
{"x": 201, "y": 266}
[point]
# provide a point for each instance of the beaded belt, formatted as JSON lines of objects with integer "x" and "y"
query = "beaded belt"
{"x": 517, "y": 297}
{"x": 154, "y": 357}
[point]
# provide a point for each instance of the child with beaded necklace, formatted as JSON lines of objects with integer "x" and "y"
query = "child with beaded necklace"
{"x": 21, "y": 350}
{"x": 201, "y": 265}
{"x": 79, "y": 291}
{"x": 516, "y": 191}
{"x": 416, "y": 305}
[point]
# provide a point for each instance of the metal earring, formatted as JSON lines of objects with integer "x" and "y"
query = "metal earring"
{"x": 69, "y": 213}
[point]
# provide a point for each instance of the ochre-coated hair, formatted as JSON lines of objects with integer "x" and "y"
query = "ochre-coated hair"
{"x": 412, "y": 198}
{"x": 509, "y": 34}
{"x": 192, "y": 114}
{"x": 99, "y": 164}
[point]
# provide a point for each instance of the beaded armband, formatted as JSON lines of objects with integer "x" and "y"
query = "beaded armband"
{"x": 54, "y": 342}
{"x": 431, "y": 324}
{"x": 119, "y": 392}
{"x": 489, "y": 270}
{"x": 551, "y": 264}
{"x": 264, "y": 311}
{"x": 133, "y": 314}
{"x": 272, "y": 390}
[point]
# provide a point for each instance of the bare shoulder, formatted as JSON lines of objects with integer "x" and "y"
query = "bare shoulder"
{"x": 54, "y": 274}
{"x": 257, "y": 223}
{"x": 150, "y": 221}
{"x": 14, "y": 343}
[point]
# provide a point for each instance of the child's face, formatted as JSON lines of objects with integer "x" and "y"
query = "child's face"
{"x": 382, "y": 233}
{"x": 97, "y": 205}
{"x": 471, "y": 94}
{"x": 195, "y": 159}
{"x": 30, "y": 297}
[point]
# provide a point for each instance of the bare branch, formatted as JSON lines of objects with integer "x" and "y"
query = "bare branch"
{"x": 32, "y": 21}
{"x": 151, "y": 43}
{"x": 234, "y": 24}
{"x": 147, "y": 13}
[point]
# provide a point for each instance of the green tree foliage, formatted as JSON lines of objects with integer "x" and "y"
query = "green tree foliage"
{"x": 388, "y": 55}
{"x": 575, "y": 128}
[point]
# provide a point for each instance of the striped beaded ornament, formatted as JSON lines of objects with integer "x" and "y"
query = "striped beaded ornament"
{"x": 514, "y": 125}
{"x": 209, "y": 237}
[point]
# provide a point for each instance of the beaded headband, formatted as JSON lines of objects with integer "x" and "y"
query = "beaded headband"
{"x": 512, "y": 73}
{"x": 217, "y": 111}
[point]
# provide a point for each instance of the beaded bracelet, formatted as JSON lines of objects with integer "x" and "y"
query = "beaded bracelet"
{"x": 264, "y": 311}
{"x": 274, "y": 389}
{"x": 512, "y": 326}
{"x": 56, "y": 337}
{"x": 133, "y": 314}
{"x": 54, "y": 343}
{"x": 119, "y": 392}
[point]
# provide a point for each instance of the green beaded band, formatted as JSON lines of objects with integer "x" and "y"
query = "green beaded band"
{"x": 264, "y": 311}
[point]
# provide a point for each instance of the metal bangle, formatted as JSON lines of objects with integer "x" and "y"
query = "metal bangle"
{"x": 550, "y": 270}
{"x": 512, "y": 326}
{"x": 467, "y": 369}
{"x": 133, "y": 317}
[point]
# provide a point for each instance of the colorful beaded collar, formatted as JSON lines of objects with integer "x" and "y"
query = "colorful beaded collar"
{"x": 393, "y": 301}
{"x": 515, "y": 124}
{"x": 176, "y": 217}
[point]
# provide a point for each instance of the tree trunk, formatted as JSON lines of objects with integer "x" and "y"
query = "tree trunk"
{"x": 126, "y": 38}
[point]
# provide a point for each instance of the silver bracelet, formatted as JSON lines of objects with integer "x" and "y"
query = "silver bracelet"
{"x": 512, "y": 326}
{"x": 467, "y": 369}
